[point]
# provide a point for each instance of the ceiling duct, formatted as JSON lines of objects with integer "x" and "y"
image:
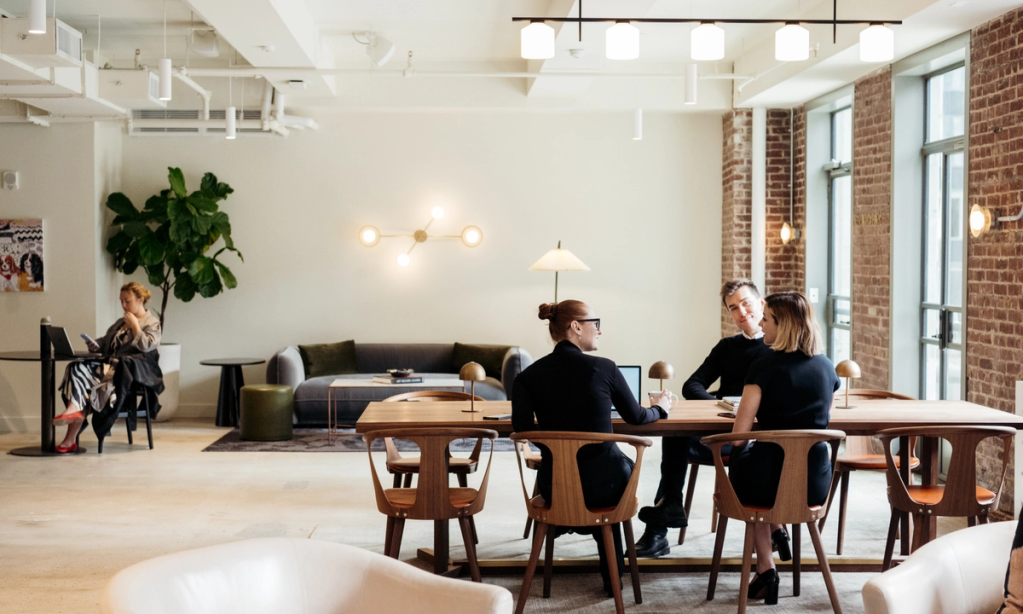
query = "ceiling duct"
{"x": 61, "y": 45}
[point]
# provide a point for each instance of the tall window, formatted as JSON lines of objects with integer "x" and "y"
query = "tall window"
{"x": 941, "y": 309}
{"x": 839, "y": 307}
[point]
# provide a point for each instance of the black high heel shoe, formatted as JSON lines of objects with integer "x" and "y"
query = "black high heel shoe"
{"x": 780, "y": 543}
{"x": 765, "y": 586}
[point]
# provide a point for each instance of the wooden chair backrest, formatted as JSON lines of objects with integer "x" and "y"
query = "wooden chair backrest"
{"x": 960, "y": 496}
{"x": 861, "y": 444}
{"x": 424, "y": 396}
{"x": 790, "y": 506}
{"x": 432, "y": 500}
{"x": 567, "y": 507}
{"x": 433, "y": 395}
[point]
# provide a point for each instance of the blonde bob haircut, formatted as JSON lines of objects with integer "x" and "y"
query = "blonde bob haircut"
{"x": 797, "y": 325}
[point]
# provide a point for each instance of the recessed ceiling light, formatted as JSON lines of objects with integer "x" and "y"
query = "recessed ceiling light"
{"x": 268, "y": 48}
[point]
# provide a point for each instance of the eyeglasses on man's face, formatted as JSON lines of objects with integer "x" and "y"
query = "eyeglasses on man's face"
{"x": 596, "y": 322}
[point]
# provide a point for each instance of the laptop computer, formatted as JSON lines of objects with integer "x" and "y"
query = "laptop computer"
{"x": 62, "y": 344}
{"x": 634, "y": 377}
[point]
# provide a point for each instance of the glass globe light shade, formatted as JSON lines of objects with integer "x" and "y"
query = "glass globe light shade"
{"x": 472, "y": 236}
{"x": 537, "y": 41}
{"x": 877, "y": 44}
{"x": 707, "y": 42}
{"x": 403, "y": 259}
{"x": 622, "y": 41}
{"x": 437, "y": 212}
{"x": 980, "y": 220}
{"x": 369, "y": 236}
{"x": 792, "y": 43}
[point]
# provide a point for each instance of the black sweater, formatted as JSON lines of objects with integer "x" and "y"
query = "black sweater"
{"x": 729, "y": 360}
{"x": 568, "y": 390}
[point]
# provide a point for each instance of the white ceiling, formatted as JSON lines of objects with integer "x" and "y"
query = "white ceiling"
{"x": 479, "y": 36}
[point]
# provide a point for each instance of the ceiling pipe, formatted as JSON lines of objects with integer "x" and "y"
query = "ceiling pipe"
{"x": 205, "y": 94}
{"x": 264, "y": 112}
{"x": 283, "y": 73}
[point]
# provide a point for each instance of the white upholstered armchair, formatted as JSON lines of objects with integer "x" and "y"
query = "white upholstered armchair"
{"x": 291, "y": 576}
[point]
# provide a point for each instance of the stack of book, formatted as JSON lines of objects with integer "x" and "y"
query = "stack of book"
{"x": 387, "y": 379}
{"x": 729, "y": 403}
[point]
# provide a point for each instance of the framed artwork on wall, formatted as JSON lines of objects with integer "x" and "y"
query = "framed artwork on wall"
{"x": 21, "y": 255}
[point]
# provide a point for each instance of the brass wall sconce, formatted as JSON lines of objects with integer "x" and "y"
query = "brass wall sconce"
{"x": 788, "y": 233}
{"x": 471, "y": 236}
{"x": 472, "y": 372}
{"x": 982, "y": 221}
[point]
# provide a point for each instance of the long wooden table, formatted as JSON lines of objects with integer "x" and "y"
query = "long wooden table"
{"x": 700, "y": 418}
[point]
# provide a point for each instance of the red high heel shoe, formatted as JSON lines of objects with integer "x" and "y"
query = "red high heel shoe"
{"x": 69, "y": 417}
{"x": 62, "y": 450}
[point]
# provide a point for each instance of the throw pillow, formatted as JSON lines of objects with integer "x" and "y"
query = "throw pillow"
{"x": 491, "y": 357}
{"x": 329, "y": 358}
{"x": 1014, "y": 575}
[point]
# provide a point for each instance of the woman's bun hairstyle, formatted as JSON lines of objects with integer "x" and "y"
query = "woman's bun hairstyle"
{"x": 138, "y": 290}
{"x": 561, "y": 315}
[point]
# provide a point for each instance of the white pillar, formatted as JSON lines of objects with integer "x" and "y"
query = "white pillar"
{"x": 758, "y": 217}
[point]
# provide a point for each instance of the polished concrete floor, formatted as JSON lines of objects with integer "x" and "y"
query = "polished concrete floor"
{"x": 68, "y": 524}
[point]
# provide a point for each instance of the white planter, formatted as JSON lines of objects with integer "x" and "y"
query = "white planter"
{"x": 170, "y": 364}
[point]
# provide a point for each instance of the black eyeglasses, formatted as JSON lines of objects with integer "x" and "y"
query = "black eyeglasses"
{"x": 596, "y": 322}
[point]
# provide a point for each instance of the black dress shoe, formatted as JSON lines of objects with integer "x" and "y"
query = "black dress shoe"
{"x": 652, "y": 545}
{"x": 780, "y": 541}
{"x": 665, "y": 514}
{"x": 765, "y": 587}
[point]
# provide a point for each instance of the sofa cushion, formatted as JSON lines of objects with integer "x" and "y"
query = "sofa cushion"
{"x": 377, "y": 358}
{"x": 329, "y": 358}
{"x": 491, "y": 357}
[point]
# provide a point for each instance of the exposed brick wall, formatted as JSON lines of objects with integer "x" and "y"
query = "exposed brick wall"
{"x": 871, "y": 241}
{"x": 736, "y": 193}
{"x": 785, "y": 267}
{"x": 994, "y": 310}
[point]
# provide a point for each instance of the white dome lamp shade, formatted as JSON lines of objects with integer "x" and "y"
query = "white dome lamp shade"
{"x": 622, "y": 41}
{"x": 707, "y": 42}
{"x": 792, "y": 43}
{"x": 537, "y": 41}
{"x": 877, "y": 44}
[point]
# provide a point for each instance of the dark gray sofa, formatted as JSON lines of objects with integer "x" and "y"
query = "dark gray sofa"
{"x": 428, "y": 359}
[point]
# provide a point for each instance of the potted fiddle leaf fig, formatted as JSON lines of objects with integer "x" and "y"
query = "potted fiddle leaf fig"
{"x": 171, "y": 239}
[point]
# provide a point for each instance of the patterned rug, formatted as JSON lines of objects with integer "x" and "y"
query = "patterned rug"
{"x": 315, "y": 440}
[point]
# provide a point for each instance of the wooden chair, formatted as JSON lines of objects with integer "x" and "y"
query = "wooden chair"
{"x": 532, "y": 461}
{"x": 790, "y": 505}
{"x": 569, "y": 510}
{"x": 399, "y": 466}
{"x": 858, "y": 456}
{"x": 959, "y": 496}
{"x": 694, "y": 470}
{"x": 432, "y": 498}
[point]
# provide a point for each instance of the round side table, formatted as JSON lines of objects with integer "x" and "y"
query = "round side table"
{"x": 231, "y": 383}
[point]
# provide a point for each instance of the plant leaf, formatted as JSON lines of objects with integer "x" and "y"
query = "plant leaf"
{"x": 212, "y": 288}
{"x": 201, "y": 203}
{"x": 156, "y": 203}
{"x": 201, "y": 224}
{"x": 119, "y": 204}
{"x": 201, "y": 271}
{"x": 177, "y": 181}
{"x": 180, "y": 232}
{"x": 131, "y": 259}
{"x": 208, "y": 185}
{"x": 118, "y": 243}
{"x": 184, "y": 288}
{"x": 229, "y": 279}
{"x": 156, "y": 275}
{"x": 177, "y": 210}
{"x": 136, "y": 229}
{"x": 151, "y": 249}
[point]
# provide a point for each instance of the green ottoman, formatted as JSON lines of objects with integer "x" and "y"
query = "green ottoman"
{"x": 266, "y": 412}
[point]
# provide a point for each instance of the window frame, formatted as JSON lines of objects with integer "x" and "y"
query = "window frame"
{"x": 835, "y": 171}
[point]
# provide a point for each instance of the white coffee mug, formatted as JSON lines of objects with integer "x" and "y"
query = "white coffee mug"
{"x": 656, "y": 394}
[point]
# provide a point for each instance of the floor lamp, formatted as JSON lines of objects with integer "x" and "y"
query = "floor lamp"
{"x": 558, "y": 260}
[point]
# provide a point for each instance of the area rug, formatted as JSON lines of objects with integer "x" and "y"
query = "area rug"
{"x": 315, "y": 440}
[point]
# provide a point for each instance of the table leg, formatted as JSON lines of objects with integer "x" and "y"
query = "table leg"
{"x": 931, "y": 468}
{"x": 904, "y": 455}
{"x": 441, "y": 555}
{"x": 231, "y": 382}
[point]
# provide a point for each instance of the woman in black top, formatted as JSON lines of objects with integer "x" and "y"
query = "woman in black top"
{"x": 790, "y": 388}
{"x": 568, "y": 390}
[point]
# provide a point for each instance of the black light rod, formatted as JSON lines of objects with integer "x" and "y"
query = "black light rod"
{"x": 825, "y": 22}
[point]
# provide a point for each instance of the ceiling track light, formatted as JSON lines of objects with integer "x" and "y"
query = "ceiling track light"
{"x": 37, "y": 17}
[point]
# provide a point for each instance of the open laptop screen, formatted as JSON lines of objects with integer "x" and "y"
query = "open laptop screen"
{"x": 633, "y": 376}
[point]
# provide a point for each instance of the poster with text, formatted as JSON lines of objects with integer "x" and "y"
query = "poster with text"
{"x": 21, "y": 255}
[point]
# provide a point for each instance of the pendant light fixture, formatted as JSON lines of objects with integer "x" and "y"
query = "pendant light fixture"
{"x": 692, "y": 76}
{"x": 165, "y": 63}
{"x": 622, "y": 41}
{"x": 537, "y": 41}
{"x": 637, "y": 125}
{"x": 877, "y": 44}
{"x": 229, "y": 114}
{"x": 37, "y": 17}
{"x": 792, "y": 43}
{"x": 707, "y": 42}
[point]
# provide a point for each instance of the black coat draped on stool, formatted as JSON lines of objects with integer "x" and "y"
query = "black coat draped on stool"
{"x": 131, "y": 371}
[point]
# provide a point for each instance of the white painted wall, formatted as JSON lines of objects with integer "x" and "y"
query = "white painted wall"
{"x": 644, "y": 215}
{"x": 58, "y": 180}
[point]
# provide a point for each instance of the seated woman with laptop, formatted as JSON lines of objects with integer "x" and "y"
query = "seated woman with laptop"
{"x": 567, "y": 390}
{"x": 90, "y": 385}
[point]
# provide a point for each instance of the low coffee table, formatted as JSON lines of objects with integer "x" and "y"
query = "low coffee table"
{"x": 427, "y": 384}
{"x": 231, "y": 382}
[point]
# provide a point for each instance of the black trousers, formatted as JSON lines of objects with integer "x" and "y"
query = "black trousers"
{"x": 676, "y": 454}
{"x": 755, "y": 471}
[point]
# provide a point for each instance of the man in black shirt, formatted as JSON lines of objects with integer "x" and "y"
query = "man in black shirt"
{"x": 728, "y": 361}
